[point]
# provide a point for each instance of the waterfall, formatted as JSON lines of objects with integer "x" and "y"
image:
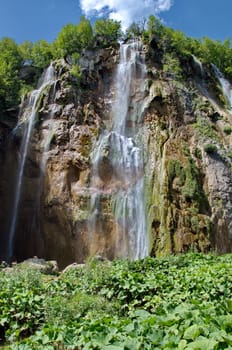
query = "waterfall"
{"x": 31, "y": 109}
{"x": 118, "y": 158}
{"x": 49, "y": 134}
{"x": 225, "y": 85}
{"x": 199, "y": 65}
{"x": 202, "y": 84}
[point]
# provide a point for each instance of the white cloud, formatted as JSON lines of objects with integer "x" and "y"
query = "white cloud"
{"x": 126, "y": 11}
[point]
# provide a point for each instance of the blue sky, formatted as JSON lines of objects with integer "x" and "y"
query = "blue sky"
{"x": 43, "y": 19}
{"x": 198, "y": 18}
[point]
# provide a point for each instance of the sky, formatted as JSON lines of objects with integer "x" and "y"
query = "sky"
{"x": 43, "y": 19}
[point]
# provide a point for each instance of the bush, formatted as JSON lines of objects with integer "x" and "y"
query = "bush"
{"x": 177, "y": 302}
{"x": 172, "y": 67}
{"x": 197, "y": 153}
{"x": 210, "y": 148}
{"x": 227, "y": 130}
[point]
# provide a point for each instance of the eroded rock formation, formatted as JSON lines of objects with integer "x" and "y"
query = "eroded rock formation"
{"x": 188, "y": 192}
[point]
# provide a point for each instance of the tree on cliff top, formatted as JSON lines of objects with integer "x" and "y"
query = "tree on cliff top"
{"x": 73, "y": 38}
{"x": 107, "y": 31}
{"x": 10, "y": 61}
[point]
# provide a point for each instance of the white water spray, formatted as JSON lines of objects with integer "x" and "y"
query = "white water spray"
{"x": 119, "y": 148}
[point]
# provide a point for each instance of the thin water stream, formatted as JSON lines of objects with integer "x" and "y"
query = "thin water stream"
{"x": 47, "y": 79}
{"x": 226, "y": 87}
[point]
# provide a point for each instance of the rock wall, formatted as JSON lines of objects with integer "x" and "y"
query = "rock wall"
{"x": 187, "y": 164}
{"x": 8, "y": 165}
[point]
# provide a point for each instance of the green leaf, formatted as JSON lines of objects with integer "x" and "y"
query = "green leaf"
{"x": 202, "y": 343}
{"x": 182, "y": 344}
{"x": 142, "y": 314}
{"x": 113, "y": 347}
{"x": 192, "y": 332}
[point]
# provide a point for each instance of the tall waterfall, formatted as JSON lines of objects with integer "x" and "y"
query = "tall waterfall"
{"x": 31, "y": 110}
{"x": 118, "y": 165}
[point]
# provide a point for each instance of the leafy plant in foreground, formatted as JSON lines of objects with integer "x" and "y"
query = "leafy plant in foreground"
{"x": 177, "y": 302}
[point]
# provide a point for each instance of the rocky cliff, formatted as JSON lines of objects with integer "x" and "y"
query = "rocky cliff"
{"x": 186, "y": 133}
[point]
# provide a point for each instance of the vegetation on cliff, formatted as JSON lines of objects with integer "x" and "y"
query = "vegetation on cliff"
{"x": 176, "y": 43}
{"x": 178, "y": 302}
{"x": 74, "y": 38}
{"x": 69, "y": 44}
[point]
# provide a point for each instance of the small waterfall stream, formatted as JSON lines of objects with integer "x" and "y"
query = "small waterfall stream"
{"x": 226, "y": 87}
{"x": 46, "y": 80}
{"x": 202, "y": 85}
{"x": 199, "y": 64}
{"x": 119, "y": 157}
{"x": 48, "y": 137}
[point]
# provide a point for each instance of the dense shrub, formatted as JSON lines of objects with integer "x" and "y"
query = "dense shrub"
{"x": 227, "y": 130}
{"x": 177, "y": 302}
{"x": 210, "y": 148}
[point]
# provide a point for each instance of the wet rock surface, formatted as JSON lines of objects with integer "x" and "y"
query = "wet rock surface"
{"x": 188, "y": 194}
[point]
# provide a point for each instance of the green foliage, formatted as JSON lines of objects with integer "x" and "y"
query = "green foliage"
{"x": 227, "y": 130}
{"x": 173, "y": 47}
{"x": 75, "y": 71}
{"x": 176, "y": 43}
{"x": 192, "y": 187}
{"x": 219, "y": 53}
{"x": 134, "y": 31}
{"x": 25, "y": 50}
{"x": 67, "y": 41}
{"x": 175, "y": 170}
{"x": 108, "y": 31}
{"x": 70, "y": 41}
{"x": 154, "y": 26}
{"x": 21, "y": 303}
{"x": 197, "y": 153}
{"x": 188, "y": 180}
{"x": 172, "y": 67}
{"x": 73, "y": 38}
{"x": 10, "y": 61}
{"x": 41, "y": 54}
{"x": 85, "y": 32}
{"x": 206, "y": 129}
{"x": 210, "y": 148}
{"x": 177, "y": 302}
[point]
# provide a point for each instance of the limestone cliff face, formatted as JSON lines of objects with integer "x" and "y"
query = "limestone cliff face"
{"x": 188, "y": 193}
{"x": 189, "y": 162}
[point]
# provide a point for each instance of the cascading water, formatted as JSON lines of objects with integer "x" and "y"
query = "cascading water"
{"x": 46, "y": 80}
{"x": 119, "y": 153}
{"x": 49, "y": 134}
{"x": 198, "y": 64}
{"x": 226, "y": 87}
{"x": 202, "y": 85}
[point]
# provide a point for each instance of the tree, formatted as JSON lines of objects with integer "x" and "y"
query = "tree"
{"x": 134, "y": 30}
{"x": 68, "y": 41}
{"x": 25, "y": 50}
{"x": 214, "y": 51}
{"x": 10, "y": 62}
{"x": 108, "y": 30}
{"x": 154, "y": 25}
{"x": 85, "y": 32}
{"x": 42, "y": 54}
